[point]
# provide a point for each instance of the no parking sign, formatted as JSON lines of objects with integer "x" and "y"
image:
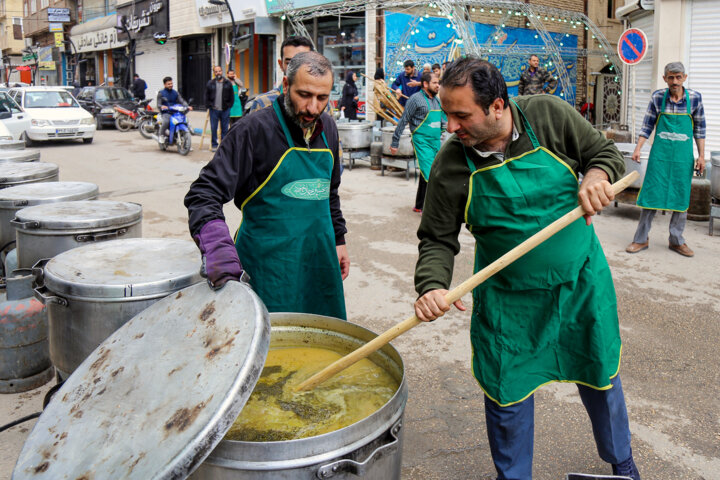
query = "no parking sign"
{"x": 632, "y": 46}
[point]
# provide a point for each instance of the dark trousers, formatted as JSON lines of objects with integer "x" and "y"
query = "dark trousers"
{"x": 224, "y": 117}
{"x": 233, "y": 120}
{"x": 511, "y": 429}
{"x": 420, "y": 196}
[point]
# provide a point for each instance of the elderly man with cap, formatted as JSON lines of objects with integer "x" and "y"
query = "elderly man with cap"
{"x": 677, "y": 115}
{"x": 281, "y": 168}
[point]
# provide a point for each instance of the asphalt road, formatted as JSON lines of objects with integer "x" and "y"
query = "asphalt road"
{"x": 669, "y": 312}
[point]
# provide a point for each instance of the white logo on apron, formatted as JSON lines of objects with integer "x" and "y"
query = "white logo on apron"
{"x": 674, "y": 137}
{"x": 434, "y": 124}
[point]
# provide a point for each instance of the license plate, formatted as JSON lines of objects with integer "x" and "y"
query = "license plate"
{"x": 66, "y": 130}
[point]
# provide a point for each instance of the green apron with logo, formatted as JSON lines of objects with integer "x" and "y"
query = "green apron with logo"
{"x": 286, "y": 240}
{"x": 668, "y": 178}
{"x": 426, "y": 139}
{"x": 236, "y": 109}
{"x": 551, "y": 315}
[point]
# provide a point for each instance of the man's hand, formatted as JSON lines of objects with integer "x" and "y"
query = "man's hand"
{"x": 190, "y": 108}
{"x": 432, "y": 305}
{"x": 163, "y": 107}
{"x": 393, "y": 151}
{"x": 398, "y": 92}
{"x": 636, "y": 155}
{"x": 596, "y": 192}
{"x": 700, "y": 165}
{"x": 344, "y": 260}
{"x": 413, "y": 83}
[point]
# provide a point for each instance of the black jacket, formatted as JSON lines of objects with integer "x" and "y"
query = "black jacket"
{"x": 227, "y": 93}
{"x": 245, "y": 159}
{"x": 138, "y": 88}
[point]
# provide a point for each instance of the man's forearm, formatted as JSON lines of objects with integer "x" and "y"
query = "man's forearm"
{"x": 700, "y": 142}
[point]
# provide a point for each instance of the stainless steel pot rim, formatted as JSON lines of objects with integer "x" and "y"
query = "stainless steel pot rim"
{"x": 39, "y": 193}
{"x": 11, "y": 172}
{"x": 79, "y": 215}
{"x": 391, "y": 129}
{"x": 354, "y": 126}
{"x": 13, "y": 154}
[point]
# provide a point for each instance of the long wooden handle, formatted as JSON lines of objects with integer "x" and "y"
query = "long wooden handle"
{"x": 457, "y": 292}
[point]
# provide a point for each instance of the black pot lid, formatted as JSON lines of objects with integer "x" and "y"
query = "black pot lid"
{"x": 155, "y": 398}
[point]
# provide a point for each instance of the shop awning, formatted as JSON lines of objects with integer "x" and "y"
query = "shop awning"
{"x": 95, "y": 35}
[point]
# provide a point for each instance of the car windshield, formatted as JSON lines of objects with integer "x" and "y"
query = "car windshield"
{"x": 49, "y": 99}
{"x": 104, "y": 94}
{"x": 7, "y": 104}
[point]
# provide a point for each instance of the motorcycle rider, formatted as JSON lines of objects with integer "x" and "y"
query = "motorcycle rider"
{"x": 166, "y": 97}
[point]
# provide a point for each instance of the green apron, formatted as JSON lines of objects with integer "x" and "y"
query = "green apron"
{"x": 286, "y": 240}
{"x": 551, "y": 315}
{"x": 426, "y": 139}
{"x": 668, "y": 178}
{"x": 236, "y": 109}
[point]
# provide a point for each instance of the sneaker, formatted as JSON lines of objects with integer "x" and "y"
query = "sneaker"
{"x": 627, "y": 469}
{"x": 212, "y": 149}
{"x": 417, "y": 210}
{"x": 683, "y": 250}
{"x": 636, "y": 247}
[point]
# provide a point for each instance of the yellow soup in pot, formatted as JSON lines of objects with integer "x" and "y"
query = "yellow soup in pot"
{"x": 275, "y": 412}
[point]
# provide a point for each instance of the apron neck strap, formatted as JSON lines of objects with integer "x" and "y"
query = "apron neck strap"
{"x": 527, "y": 126}
{"x": 427, "y": 100}
{"x": 281, "y": 118}
{"x": 687, "y": 100}
{"x": 322, "y": 134}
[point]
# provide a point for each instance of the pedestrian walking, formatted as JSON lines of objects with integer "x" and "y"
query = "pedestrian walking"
{"x": 407, "y": 83}
{"x": 534, "y": 79}
{"x": 349, "y": 98}
{"x": 138, "y": 87}
{"x": 219, "y": 98}
{"x": 236, "y": 110}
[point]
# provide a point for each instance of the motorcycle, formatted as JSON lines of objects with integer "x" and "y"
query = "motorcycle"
{"x": 148, "y": 123}
{"x": 127, "y": 118}
{"x": 178, "y": 132}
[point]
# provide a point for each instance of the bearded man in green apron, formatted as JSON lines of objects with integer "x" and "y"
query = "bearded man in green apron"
{"x": 427, "y": 122}
{"x": 677, "y": 115}
{"x": 510, "y": 170}
{"x": 280, "y": 166}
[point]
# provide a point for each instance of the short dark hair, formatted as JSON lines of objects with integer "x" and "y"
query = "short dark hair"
{"x": 426, "y": 77}
{"x": 296, "y": 41}
{"x": 317, "y": 65}
{"x": 483, "y": 77}
{"x": 136, "y": 75}
{"x": 533, "y": 55}
{"x": 435, "y": 65}
{"x": 167, "y": 79}
{"x": 408, "y": 63}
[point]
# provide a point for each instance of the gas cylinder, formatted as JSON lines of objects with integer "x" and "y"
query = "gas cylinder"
{"x": 700, "y": 199}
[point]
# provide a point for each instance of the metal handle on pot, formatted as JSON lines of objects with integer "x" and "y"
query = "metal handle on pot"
{"x": 358, "y": 468}
{"x": 96, "y": 237}
{"x": 24, "y": 225}
{"x": 45, "y": 299}
{"x": 38, "y": 271}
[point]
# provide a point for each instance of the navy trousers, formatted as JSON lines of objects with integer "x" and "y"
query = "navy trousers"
{"x": 224, "y": 117}
{"x": 511, "y": 430}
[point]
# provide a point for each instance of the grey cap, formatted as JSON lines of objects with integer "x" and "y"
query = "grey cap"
{"x": 675, "y": 67}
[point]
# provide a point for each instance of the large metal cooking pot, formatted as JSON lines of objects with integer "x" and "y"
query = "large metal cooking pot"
{"x": 627, "y": 150}
{"x": 14, "y": 173}
{"x": 370, "y": 448}
{"x": 31, "y": 155}
{"x": 16, "y": 198}
{"x": 91, "y": 291}
{"x": 715, "y": 173}
{"x": 12, "y": 144}
{"x": 405, "y": 148}
{"x": 355, "y": 135}
{"x": 44, "y": 231}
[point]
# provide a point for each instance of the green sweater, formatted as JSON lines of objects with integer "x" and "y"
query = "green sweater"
{"x": 558, "y": 127}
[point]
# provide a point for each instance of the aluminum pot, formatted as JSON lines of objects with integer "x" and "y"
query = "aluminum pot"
{"x": 44, "y": 231}
{"x": 627, "y": 150}
{"x": 355, "y": 135}
{"x": 405, "y": 148}
{"x": 715, "y": 174}
{"x": 370, "y": 448}
{"x": 31, "y": 155}
{"x": 91, "y": 291}
{"x": 14, "y": 173}
{"x": 12, "y": 144}
{"x": 21, "y": 196}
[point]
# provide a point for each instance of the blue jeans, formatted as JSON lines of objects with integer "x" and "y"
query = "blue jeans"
{"x": 224, "y": 117}
{"x": 511, "y": 430}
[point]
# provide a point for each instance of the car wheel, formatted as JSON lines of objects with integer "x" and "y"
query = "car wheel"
{"x": 98, "y": 123}
{"x": 88, "y": 140}
{"x": 28, "y": 141}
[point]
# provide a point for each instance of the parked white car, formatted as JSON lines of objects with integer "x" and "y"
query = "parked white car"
{"x": 13, "y": 117}
{"x": 54, "y": 115}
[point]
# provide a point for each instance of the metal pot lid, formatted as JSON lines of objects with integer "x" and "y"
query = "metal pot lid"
{"x": 12, "y": 144}
{"x": 354, "y": 126}
{"x": 83, "y": 215}
{"x": 133, "y": 267}
{"x": 32, "y": 155}
{"x": 392, "y": 130}
{"x": 46, "y": 192}
{"x": 13, "y": 172}
{"x": 155, "y": 398}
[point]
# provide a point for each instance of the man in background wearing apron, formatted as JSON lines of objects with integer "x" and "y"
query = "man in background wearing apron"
{"x": 510, "y": 170}
{"x": 677, "y": 115}
{"x": 280, "y": 166}
{"x": 427, "y": 122}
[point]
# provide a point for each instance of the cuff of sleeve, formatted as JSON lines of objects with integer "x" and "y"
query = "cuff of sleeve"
{"x": 394, "y": 144}
{"x": 431, "y": 286}
{"x": 340, "y": 240}
{"x": 608, "y": 171}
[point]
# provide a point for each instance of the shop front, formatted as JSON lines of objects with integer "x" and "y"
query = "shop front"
{"x": 102, "y": 56}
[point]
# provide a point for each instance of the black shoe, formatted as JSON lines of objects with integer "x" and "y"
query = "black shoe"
{"x": 627, "y": 468}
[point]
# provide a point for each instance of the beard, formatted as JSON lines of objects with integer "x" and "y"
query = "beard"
{"x": 296, "y": 116}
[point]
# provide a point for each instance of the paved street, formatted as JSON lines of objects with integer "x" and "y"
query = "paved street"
{"x": 669, "y": 311}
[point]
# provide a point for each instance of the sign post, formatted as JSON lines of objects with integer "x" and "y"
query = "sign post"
{"x": 632, "y": 47}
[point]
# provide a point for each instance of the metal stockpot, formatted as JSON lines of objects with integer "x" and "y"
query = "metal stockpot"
{"x": 627, "y": 150}
{"x": 715, "y": 173}
{"x": 355, "y": 135}
{"x": 370, "y": 448}
{"x": 44, "y": 231}
{"x": 91, "y": 291}
{"x": 16, "y": 198}
{"x": 32, "y": 155}
{"x": 14, "y": 173}
{"x": 12, "y": 144}
{"x": 405, "y": 148}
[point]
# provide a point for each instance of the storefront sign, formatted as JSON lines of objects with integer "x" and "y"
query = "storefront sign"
{"x": 99, "y": 40}
{"x": 46, "y": 65}
{"x": 276, "y": 6}
{"x": 144, "y": 18}
{"x": 58, "y": 14}
{"x": 59, "y": 39}
{"x": 55, "y": 27}
{"x": 210, "y": 15}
